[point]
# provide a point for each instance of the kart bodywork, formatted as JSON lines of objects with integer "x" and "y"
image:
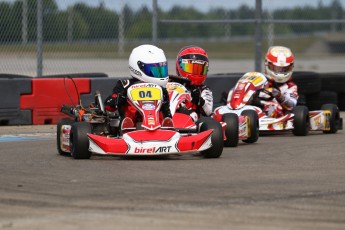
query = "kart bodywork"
{"x": 95, "y": 130}
{"x": 300, "y": 121}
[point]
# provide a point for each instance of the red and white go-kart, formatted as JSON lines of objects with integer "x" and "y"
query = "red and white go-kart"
{"x": 95, "y": 131}
{"x": 251, "y": 87}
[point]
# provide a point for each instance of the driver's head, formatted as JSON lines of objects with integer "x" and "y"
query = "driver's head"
{"x": 279, "y": 62}
{"x": 149, "y": 64}
{"x": 192, "y": 63}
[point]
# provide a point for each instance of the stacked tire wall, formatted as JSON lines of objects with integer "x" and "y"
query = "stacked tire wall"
{"x": 37, "y": 101}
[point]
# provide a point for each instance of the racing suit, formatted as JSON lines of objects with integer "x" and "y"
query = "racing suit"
{"x": 286, "y": 94}
{"x": 201, "y": 104}
{"x": 117, "y": 101}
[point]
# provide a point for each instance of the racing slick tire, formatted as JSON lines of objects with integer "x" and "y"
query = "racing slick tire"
{"x": 253, "y": 125}
{"x": 60, "y": 124}
{"x": 80, "y": 141}
{"x": 231, "y": 129}
{"x": 334, "y": 119}
{"x": 217, "y": 137}
{"x": 301, "y": 121}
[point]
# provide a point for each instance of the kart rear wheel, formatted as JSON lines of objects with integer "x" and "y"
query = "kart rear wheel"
{"x": 231, "y": 129}
{"x": 217, "y": 137}
{"x": 334, "y": 120}
{"x": 253, "y": 120}
{"x": 80, "y": 141}
{"x": 301, "y": 121}
{"x": 59, "y": 133}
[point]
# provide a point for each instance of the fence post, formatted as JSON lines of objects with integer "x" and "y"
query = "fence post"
{"x": 25, "y": 22}
{"x": 121, "y": 31}
{"x": 39, "y": 38}
{"x": 258, "y": 35}
{"x": 154, "y": 22}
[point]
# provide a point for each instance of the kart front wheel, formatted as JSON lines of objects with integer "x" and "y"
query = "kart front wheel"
{"x": 253, "y": 125}
{"x": 301, "y": 121}
{"x": 80, "y": 141}
{"x": 216, "y": 150}
{"x": 231, "y": 129}
{"x": 59, "y": 135}
{"x": 334, "y": 120}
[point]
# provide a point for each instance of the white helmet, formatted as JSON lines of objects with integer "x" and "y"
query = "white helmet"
{"x": 149, "y": 64}
{"x": 279, "y": 63}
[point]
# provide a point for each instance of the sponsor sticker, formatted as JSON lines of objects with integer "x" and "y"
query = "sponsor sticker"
{"x": 161, "y": 149}
{"x": 149, "y": 106}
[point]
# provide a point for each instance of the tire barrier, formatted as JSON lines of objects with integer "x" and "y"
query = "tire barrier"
{"x": 341, "y": 101}
{"x": 307, "y": 82}
{"x": 316, "y": 100}
{"x": 103, "y": 85}
{"x": 27, "y": 100}
{"x": 335, "y": 82}
{"x": 10, "y": 90}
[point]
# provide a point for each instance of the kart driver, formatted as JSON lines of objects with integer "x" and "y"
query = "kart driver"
{"x": 191, "y": 69}
{"x": 147, "y": 63}
{"x": 279, "y": 63}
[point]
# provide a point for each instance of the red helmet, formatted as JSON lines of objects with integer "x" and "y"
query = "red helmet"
{"x": 279, "y": 64}
{"x": 192, "y": 63}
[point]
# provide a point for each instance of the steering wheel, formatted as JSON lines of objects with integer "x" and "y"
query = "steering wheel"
{"x": 265, "y": 91}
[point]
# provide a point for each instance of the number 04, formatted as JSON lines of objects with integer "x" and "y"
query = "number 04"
{"x": 144, "y": 94}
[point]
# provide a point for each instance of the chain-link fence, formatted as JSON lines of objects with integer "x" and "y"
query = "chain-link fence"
{"x": 64, "y": 36}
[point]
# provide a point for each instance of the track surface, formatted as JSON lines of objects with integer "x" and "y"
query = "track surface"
{"x": 281, "y": 182}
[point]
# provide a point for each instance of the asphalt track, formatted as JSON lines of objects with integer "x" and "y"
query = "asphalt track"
{"x": 280, "y": 182}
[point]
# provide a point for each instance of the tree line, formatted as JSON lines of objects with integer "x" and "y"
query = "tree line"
{"x": 81, "y": 22}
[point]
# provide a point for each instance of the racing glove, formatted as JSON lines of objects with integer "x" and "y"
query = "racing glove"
{"x": 278, "y": 95}
{"x": 276, "y": 92}
{"x": 285, "y": 101}
{"x": 196, "y": 97}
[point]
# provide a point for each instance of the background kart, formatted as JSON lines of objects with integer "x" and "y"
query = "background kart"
{"x": 250, "y": 89}
{"x": 96, "y": 131}
{"x": 179, "y": 95}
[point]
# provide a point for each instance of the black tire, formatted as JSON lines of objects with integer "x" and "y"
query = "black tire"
{"x": 80, "y": 141}
{"x": 253, "y": 126}
{"x": 231, "y": 129}
{"x": 334, "y": 119}
{"x": 61, "y": 123}
{"x": 301, "y": 121}
{"x": 217, "y": 137}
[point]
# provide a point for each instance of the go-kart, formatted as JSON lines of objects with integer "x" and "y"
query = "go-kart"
{"x": 94, "y": 130}
{"x": 179, "y": 95}
{"x": 251, "y": 90}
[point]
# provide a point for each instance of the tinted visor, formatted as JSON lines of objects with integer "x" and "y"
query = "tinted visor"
{"x": 194, "y": 64}
{"x": 280, "y": 69}
{"x": 156, "y": 70}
